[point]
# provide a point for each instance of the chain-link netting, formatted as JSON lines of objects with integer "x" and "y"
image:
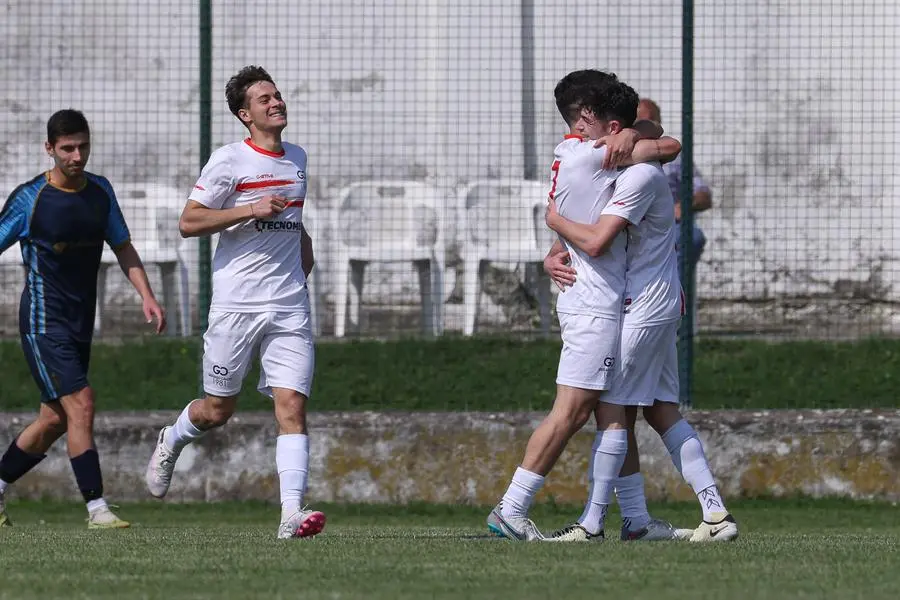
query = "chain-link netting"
{"x": 430, "y": 128}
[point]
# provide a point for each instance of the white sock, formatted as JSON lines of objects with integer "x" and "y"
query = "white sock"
{"x": 630, "y": 494}
{"x": 687, "y": 453}
{"x": 292, "y": 462}
{"x": 183, "y": 432}
{"x": 96, "y": 505}
{"x": 609, "y": 451}
{"x": 522, "y": 490}
{"x": 3, "y": 486}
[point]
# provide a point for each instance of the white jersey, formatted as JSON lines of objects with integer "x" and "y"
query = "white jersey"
{"x": 653, "y": 293}
{"x": 257, "y": 265}
{"x": 582, "y": 189}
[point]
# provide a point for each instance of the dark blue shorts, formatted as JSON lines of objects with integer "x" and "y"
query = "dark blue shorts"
{"x": 58, "y": 363}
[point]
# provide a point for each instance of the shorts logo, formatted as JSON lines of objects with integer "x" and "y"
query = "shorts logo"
{"x": 608, "y": 362}
{"x": 220, "y": 376}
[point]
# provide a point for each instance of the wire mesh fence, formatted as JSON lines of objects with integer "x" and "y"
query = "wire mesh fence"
{"x": 430, "y": 128}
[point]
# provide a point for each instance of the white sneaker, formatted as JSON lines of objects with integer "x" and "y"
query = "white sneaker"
{"x": 656, "y": 530}
{"x": 301, "y": 524}
{"x": 725, "y": 530}
{"x": 520, "y": 529}
{"x": 4, "y": 518}
{"x": 161, "y": 467}
{"x": 106, "y": 519}
{"x": 575, "y": 533}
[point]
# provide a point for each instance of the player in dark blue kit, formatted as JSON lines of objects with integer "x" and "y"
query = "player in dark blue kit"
{"x": 61, "y": 220}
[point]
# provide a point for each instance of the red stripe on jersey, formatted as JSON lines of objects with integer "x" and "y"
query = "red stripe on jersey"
{"x": 295, "y": 203}
{"x": 555, "y": 169}
{"x": 255, "y": 185}
{"x": 572, "y": 136}
{"x": 263, "y": 150}
{"x": 199, "y": 187}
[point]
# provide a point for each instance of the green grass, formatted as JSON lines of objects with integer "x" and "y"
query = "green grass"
{"x": 485, "y": 374}
{"x": 788, "y": 549}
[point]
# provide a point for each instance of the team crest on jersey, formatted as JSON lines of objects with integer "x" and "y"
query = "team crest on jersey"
{"x": 301, "y": 176}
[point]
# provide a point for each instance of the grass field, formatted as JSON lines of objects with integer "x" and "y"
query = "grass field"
{"x": 788, "y": 549}
{"x": 483, "y": 374}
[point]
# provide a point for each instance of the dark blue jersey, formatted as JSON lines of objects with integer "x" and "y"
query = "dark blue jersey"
{"x": 61, "y": 233}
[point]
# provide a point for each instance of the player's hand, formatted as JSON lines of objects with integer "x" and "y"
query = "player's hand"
{"x": 551, "y": 214}
{"x": 153, "y": 311}
{"x": 619, "y": 147}
{"x": 268, "y": 206}
{"x": 678, "y": 212}
{"x": 557, "y": 267}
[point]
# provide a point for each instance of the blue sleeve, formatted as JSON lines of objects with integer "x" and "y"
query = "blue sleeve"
{"x": 14, "y": 219}
{"x": 117, "y": 234}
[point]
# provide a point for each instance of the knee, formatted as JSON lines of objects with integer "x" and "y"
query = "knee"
{"x": 53, "y": 422}
{"x": 79, "y": 409}
{"x": 290, "y": 412}
{"x": 571, "y": 417}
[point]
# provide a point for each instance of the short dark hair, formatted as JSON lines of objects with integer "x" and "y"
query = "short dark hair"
{"x": 66, "y": 122}
{"x": 614, "y": 100}
{"x": 237, "y": 86}
{"x": 573, "y": 91}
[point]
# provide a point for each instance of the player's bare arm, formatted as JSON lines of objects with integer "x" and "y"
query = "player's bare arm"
{"x": 556, "y": 265}
{"x": 621, "y": 145}
{"x": 623, "y": 150}
{"x": 306, "y": 251}
{"x": 198, "y": 220}
{"x": 593, "y": 239}
{"x": 131, "y": 265}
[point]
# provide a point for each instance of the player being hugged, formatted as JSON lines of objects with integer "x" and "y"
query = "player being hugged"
{"x": 646, "y": 375}
{"x": 252, "y": 193}
{"x": 61, "y": 220}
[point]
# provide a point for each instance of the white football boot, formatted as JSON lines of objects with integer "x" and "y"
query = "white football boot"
{"x": 161, "y": 467}
{"x": 725, "y": 530}
{"x": 521, "y": 529}
{"x": 303, "y": 523}
{"x": 575, "y": 533}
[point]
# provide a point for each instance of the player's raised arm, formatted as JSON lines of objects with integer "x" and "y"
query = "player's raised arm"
{"x": 594, "y": 239}
{"x": 623, "y": 149}
{"x": 204, "y": 214}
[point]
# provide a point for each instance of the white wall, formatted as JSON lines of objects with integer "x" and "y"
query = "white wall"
{"x": 795, "y": 125}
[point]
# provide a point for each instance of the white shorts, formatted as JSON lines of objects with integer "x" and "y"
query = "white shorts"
{"x": 648, "y": 370}
{"x": 284, "y": 341}
{"x": 590, "y": 351}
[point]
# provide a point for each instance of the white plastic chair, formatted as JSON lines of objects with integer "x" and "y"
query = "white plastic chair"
{"x": 389, "y": 221}
{"x": 151, "y": 211}
{"x": 503, "y": 223}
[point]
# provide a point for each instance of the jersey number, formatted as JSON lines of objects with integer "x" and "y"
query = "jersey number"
{"x": 555, "y": 170}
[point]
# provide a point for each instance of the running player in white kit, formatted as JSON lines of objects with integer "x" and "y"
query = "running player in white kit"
{"x": 590, "y": 312}
{"x": 647, "y": 374}
{"x": 253, "y": 192}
